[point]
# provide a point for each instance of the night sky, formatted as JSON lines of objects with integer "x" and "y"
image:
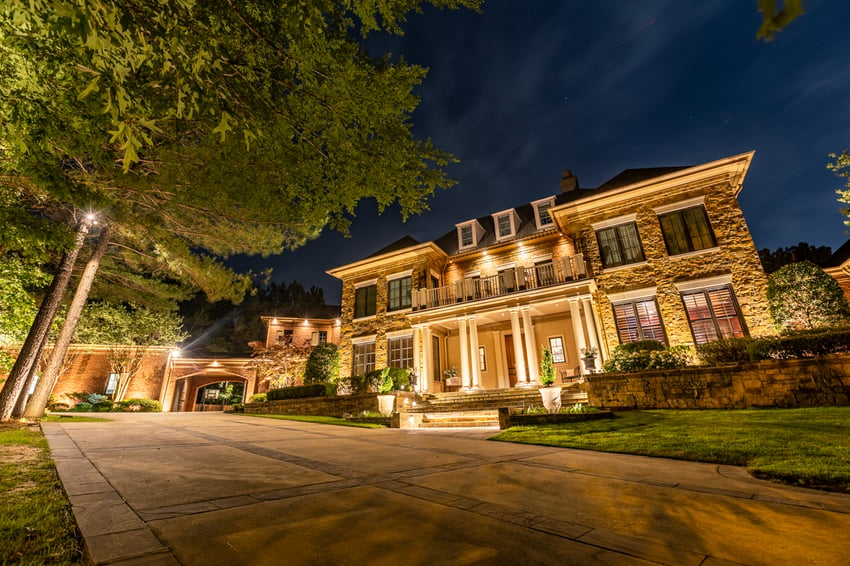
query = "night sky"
{"x": 527, "y": 89}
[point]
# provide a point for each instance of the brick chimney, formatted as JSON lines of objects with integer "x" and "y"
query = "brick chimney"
{"x": 569, "y": 182}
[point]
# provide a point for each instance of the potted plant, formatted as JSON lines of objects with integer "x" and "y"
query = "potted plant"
{"x": 451, "y": 376}
{"x": 550, "y": 392}
{"x": 386, "y": 402}
{"x": 588, "y": 356}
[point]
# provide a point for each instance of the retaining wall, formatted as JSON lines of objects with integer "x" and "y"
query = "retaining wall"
{"x": 815, "y": 382}
{"x": 337, "y": 406}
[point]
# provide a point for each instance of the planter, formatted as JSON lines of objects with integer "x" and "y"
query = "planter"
{"x": 551, "y": 398}
{"x": 386, "y": 404}
{"x": 589, "y": 363}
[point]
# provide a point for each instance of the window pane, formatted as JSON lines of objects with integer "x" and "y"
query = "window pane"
{"x": 630, "y": 243}
{"x": 674, "y": 234}
{"x": 364, "y": 358}
{"x": 466, "y": 235}
{"x": 505, "y": 225}
{"x": 543, "y": 213}
{"x": 698, "y": 229}
{"x": 482, "y": 358}
{"x": 401, "y": 352}
{"x": 619, "y": 245}
{"x": 728, "y": 321}
{"x": 609, "y": 248}
{"x": 713, "y": 315}
{"x": 627, "y": 323}
{"x": 639, "y": 320}
{"x": 556, "y": 346}
{"x": 364, "y": 301}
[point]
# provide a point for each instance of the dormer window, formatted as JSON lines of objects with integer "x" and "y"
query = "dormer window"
{"x": 468, "y": 234}
{"x": 505, "y": 224}
{"x": 541, "y": 213}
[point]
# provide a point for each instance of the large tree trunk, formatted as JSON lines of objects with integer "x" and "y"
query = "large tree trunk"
{"x": 38, "y": 401}
{"x": 18, "y": 410}
{"x": 28, "y": 356}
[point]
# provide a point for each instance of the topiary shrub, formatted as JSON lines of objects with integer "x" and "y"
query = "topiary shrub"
{"x": 400, "y": 379}
{"x": 297, "y": 392}
{"x": 726, "y": 350}
{"x": 627, "y": 357}
{"x": 259, "y": 398}
{"x": 802, "y": 344}
{"x": 802, "y": 295}
{"x": 323, "y": 364}
{"x": 139, "y": 405}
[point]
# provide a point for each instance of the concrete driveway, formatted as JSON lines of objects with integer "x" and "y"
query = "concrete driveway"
{"x": 215, "y": 489}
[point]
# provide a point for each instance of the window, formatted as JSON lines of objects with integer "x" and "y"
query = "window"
{"x": 544, "y": 270}
{"x": 364, "y": 301}
{"x": 482, "y": 358}
{"x": 398, "y": 291}
{"x": 111, "y": 383}
{"x": 319, "y": 337}
{"x": 400, "y": 354}
{"x": 686, "y": 230}
{"x": 556, "y": 346}
{"x": 543, "y": 213}
{"x": 466, "y": 236}
{"x": 639, "y": 320}
{"x": 283, "y": 336}
{"x": 619, "y": 245}
{"x": 504, "y": 226}
{"x": 713, "y": 314}
{"x": 364, "y": 358}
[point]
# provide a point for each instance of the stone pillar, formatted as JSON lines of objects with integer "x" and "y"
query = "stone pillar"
{"x": 530, "y": 347}
{"x": 519, "y": 357}
{"x": 465, "y": 373}
{"x": 424, "y": 378}
{"x": 591, "y": 331}
{"x": 417, "y": 354}
{"x": 473, "y": 351}
{"x": 578, "y": 331}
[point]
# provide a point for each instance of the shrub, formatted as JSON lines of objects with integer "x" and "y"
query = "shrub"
{"x": 58, "y": 407}
{"x": 547, "y": 369}
{"x": 802, "y": 344}
{"x": 297, "y": 392}
{"x": 84, "y": 407}
{"x": 626, "y": 357}
{"x": 258, "y": 398}
{"x": 802, "y": 295}
{"x": 725, "y": 350}
{"x": 323, "y": 364}
{"x": 140, "y": 405}
{"x": 102, "y": 406}
{"x": 400, "y": 379}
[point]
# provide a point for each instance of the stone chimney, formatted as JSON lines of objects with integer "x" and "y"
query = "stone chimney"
{"x": 569, "y": 182}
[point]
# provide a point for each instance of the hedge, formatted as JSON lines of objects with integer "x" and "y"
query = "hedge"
{"x": 297, "y": 392}
{"x": 799, "y": 344}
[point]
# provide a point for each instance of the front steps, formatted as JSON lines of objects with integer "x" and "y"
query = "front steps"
{"x": 458, "y": 419}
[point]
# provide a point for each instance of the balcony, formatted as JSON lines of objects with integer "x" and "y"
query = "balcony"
{"x": 509, "y": 281}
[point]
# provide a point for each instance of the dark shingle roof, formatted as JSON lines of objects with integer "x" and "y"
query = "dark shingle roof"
{"x": 400, "y": 244}
{"x": 840, "y": 255}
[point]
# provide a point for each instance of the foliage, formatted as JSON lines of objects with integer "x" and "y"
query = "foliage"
{"x": 35, "y": 515}
{"x": 775, "y": 20}
{"x": 773, "y": 260}
{"x": 258, "y": 398}
{"x": 140, "y": 405}
{"x": 805, "y": 447}
{"x": 106, "y": 323}
{"x": 789, "y": 345}
{"x": 802, "y": 295}
{"x": 575, "y": 409}
{"x": 297, "y": 392}
{"x": 322, "y": 364}
{"x": 282, "y": 364}
{"x": 17, "y": 306}
{"x": 6, "y": 361}
{"x": 385, "y": 383}
{"x": 646, "y": 354}
{"x": 82, "y": 407}
{"x": 590, "y": 352}
{"x": 725, "y": 350}
{"x": 547, "y": 368}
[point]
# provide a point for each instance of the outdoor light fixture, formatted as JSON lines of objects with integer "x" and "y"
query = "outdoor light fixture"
{"x": 175, "y": 353}
{"x": 305, "y": 322}
{"x": 274, "y": 321}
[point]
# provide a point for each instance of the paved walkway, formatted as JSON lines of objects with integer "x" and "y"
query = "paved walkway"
{"x": 210, "y": 489}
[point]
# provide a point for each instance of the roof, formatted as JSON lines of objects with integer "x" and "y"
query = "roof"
{"x": 400, "y": 244}
{"x": 840, "y": 255}
{"x": 327, "y": 312}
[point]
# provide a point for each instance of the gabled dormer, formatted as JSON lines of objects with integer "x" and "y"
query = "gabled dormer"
{"x": 505, "y": 224}
{"x": 469, "y": 233}
{"x": 541, "y": 213}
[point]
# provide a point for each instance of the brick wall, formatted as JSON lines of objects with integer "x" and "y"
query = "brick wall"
{"x": 337, "y": 406}
{"x": 789, "y": 383}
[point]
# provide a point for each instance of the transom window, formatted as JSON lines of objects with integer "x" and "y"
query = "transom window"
{"x": 365, "y": 301}
{"x": 713, "y": 314}
{"x": 364, "y": 358}
{"x": 619, "y": 245}
{"x": 400, "y": 354}
{"x": 639, "y": 320}
{"x": 398, "y": 293}
{"x": 686, "y": 230}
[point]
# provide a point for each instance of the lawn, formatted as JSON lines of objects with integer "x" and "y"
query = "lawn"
{"x": 36, "y": 525}
{"x": 315, "y": 419}
{"x": 805, "y": 447}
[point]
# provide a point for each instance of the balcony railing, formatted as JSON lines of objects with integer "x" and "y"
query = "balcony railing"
{"x": 513, "y": 280}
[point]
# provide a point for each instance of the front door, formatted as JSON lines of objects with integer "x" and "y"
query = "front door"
{"x": 435, "y": 359}
{"x": 511, "y": 359}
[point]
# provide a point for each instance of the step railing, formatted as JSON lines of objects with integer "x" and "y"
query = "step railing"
{"x": 508, "y": 281}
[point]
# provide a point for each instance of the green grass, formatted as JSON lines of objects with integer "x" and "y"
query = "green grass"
{"x": 805, "y": 447}
{"x": 36, "y": 525}
{"x": 313, "y": 419}
{"x": 71, "y": 419}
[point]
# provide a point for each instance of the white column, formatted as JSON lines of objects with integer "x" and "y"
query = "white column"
{"x": 427, "y": 354}
{"x": 519, "y": 358}
{"x": 591, "y": 331}
{"x": 530, "y": 346}
{"x": 465, "y": 374}
{"x": 473, "y": 353}
{"x": 417, "y": 354}
{"x": 578, "y": 331}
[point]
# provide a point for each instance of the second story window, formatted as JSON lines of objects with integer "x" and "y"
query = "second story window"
{"x": 466, "y": 236}
{"x": 619, "y": 245}
{"x": 398, "y": 293}
{"x": 505, "y": 228}
{"x": 686, "y": 230}
{"x": 541, "y": 213}
{"x": 365, "y": 301}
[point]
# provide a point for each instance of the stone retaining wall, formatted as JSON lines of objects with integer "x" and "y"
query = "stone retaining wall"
{"x": 789, "y": 383}
{"x": 337, "y": 406}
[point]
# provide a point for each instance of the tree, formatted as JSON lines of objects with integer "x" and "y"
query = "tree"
{"x": 773, "y": 260}
{"x": 802, "y": 295}
{"x": 774, "y": 20}
{"x": 323, "y": 364}
{"x": 281, "y": 365}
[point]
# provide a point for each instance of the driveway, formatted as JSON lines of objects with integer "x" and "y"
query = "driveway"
{"x": 216, "y": 489}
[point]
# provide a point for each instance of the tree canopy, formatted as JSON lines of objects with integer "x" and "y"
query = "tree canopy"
{"x": 802, "y": 295}
{"x": 771, "y": 260}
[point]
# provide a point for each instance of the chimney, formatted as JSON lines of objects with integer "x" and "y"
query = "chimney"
{"x": 569, "y": 182}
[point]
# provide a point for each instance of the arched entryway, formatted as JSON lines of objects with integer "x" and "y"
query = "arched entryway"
{"x": 199, "y": 384}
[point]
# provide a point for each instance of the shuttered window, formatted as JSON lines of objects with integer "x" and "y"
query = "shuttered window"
{"x": 639, "y": 320}
{"x": 686, "y": 230}
{"x": 619, "y": 245}
{"x": 713, "y": 314}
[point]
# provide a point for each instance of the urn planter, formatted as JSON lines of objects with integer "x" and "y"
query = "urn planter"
{"x": 551, "y": 398}
{"x": 386, "y": 404}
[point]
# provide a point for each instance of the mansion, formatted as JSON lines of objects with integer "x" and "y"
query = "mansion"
{"x": 660, "y": 253}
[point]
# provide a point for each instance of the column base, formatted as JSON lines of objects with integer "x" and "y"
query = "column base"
{"x": 526, "y": 384}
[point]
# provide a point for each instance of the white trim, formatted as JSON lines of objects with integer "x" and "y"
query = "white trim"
{"x": 563, "y": 348}
{"x": 697, "y": 252}
{"x": 717, "y": 281}
{"x": 363, "y": 339}
{"x": 477, "y": 232}
{"x": 512, "y": 216}
{"x": 541, "y": 258}
{"x": 368, "y": 283}
{"x": 405, "y": 333}
{"x": 623, "y": 296}
{"x": 681, "y": 205}
{"x": 400, "y": 275}
{"x": 625, "y": 219}
{"x": 535, "y": 204}
{"x": 501, "y": 268}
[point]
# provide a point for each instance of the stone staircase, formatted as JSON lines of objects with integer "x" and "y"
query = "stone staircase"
{"x": 481, "y": 408}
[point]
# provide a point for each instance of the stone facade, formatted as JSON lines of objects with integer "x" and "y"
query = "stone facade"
{"x": 788, "y": 383}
